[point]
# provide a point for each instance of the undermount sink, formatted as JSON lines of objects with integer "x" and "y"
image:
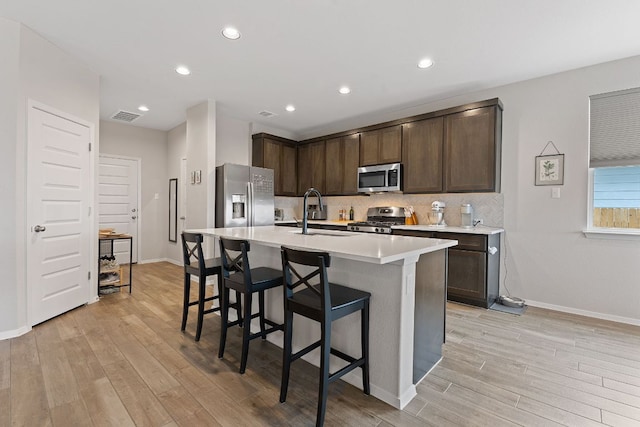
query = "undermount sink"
{"x": 323, "y": 233}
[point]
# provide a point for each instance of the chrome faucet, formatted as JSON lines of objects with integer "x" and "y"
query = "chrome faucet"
{"x": 305, "y": 207}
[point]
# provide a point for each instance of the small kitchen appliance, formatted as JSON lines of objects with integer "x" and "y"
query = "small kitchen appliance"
{"x": 379, "y": 220}
{"x": 314, "y": 212}
{"x": 436, "y": 216}
{"x": 466, "y": 215}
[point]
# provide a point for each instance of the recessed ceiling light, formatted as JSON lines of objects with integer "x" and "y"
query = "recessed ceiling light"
{"x": 143, "y": 108}
{"x": 425, "y": 63}
{"x": 344, "y": 90}
{"x": 182, "y": 70}
{"x": 231, "y": 33}
{"x": 290, "y": 108}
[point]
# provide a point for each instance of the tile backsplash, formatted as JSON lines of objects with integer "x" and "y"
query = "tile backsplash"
{"x": 487, "y": 206}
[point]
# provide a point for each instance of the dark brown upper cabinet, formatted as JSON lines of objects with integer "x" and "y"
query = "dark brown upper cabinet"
{"x": 311, "y": 167}
{"x": 422, "y": 153}
{"x": 381, "y": 146}
{"x": 342, "y": 157}
{"x": 472, "y": 146}
{"x": 278, "y": 154}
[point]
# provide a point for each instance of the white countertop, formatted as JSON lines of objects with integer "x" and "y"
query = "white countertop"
{"x": 479, "y": 229}
{"x": 367, "y": 247}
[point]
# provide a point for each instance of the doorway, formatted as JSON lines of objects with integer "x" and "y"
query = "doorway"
{"x": 119, "y": 201}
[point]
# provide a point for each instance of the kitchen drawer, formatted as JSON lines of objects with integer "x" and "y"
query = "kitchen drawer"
{"x": 471, "y": 242}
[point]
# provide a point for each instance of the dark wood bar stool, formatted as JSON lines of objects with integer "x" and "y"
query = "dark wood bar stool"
{"x": 323, "y": 302}
{"x": 194, "y": 263}
{"x": 239, "y": 276}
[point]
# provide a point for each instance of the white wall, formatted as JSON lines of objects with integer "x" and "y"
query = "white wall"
{"x": 50, "y": 76}
{"x": 150, "y": 146}
{"x": 176, "y": 151}
{"x": 233, "y": 140}
{"x": 200, "y": 149}
{"x": 9, "y": 84}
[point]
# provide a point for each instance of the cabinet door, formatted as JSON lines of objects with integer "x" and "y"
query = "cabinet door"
{"x": 318, "y": 165}
{"x": 304, "y": 168}
{"x": 467, "y": 276}
{"x": 369, "y": 142}
{"x": 271, "y": 160}
{"x": 288, "y": 174}
{"x": 471, "y": 151}
{"x": 351, "y": 162}
{"x": 390, "y": 149}
{"x": 334, "y": 166}
{"x": 422, "y": 156}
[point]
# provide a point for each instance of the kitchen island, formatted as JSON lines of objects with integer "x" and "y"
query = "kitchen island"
{"x": 406, "y": 277}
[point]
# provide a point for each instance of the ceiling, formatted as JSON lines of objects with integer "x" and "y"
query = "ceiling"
{"x": 300, "y": 52}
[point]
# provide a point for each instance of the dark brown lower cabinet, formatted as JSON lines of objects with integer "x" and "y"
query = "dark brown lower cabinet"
{"x": 473, "y": 273}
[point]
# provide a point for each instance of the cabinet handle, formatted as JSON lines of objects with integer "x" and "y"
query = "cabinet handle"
{"x": 493, "y": 250}
{"x": 39, "y": 228}
{"x": 134, "y": 217}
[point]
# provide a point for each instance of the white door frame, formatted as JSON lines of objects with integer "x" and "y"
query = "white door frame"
{"x": 93, "y": 231}
{"x": 138, "y": 160}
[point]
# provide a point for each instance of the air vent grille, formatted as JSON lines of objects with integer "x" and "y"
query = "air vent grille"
{"x": 125, "y": 116}
{"x": 265, "y": 113}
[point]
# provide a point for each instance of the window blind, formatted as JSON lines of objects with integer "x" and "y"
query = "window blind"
{"x": 615, "y": 128}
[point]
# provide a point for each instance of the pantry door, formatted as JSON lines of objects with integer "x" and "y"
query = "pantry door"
{"x": 118, "y": 202}
{"x": 58, "y": 212}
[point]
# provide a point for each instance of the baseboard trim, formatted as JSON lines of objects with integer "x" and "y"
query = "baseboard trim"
{"x": 14, "y": 333}
{"x": 594, "y": 314}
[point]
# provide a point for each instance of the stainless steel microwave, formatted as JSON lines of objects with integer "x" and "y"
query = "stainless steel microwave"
{"x": 379, "y": 178}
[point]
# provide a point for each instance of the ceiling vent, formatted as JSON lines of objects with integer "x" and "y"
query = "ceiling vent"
{"x": 265, "y": 113}
{"x": 125, "y": 116}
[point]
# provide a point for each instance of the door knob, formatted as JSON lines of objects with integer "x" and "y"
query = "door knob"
{"x": 134, "y": 217}
{"x": 39, "y": 228}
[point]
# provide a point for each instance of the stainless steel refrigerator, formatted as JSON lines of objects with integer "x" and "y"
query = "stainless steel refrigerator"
{"x": 244, "y": 196}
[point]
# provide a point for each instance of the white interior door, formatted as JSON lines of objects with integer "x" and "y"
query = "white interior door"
{"x": 58, "y": 217}
{"x": 118, "y": 202}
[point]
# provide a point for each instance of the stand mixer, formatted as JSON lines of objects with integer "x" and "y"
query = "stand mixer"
{"x": 436, "y": 216}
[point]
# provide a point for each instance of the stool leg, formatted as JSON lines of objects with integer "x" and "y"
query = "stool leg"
{"x": 201, "y": 297}
{"x": 365, "y": 347}
{"x": 185, "y": 304}
{"x": 261, "y": 308}
{"x": 324, "y": 371}
{"x": 286, "y": 354}
{"x": 239, "y": 309}
{"x": 246, "y": 330}
{"x": 224, "y": 314}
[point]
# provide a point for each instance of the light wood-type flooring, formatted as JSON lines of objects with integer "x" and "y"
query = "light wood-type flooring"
{"x": 123, "y": 361}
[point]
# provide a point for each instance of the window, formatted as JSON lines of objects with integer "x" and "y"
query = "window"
{"x": 614, "y": 163}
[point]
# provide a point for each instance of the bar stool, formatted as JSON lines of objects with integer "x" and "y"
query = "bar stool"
{"x": 239, "y": 276}
{"x": 194, "y": 263}
{"x": 323, "y": 302}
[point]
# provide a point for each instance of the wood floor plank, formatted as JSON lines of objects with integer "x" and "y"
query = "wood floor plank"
{"x": 5, "y": 364}
{"x": 607, "y": 373}
{"x": 68, "y": 414}
{"x": 5, "y": 407}
{"x": 84, "y": 364}
{"x": 59, "y": 381}
{"x": 143, "y": 406}
{"x": 555, "y": 414}
{"x": 104, "y": 405}
{"x": 616, "y": 420}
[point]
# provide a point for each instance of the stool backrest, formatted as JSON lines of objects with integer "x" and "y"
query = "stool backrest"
{"x": 192, "y": 250}
{"x": 295, "y": 274}
{"x": 234, "y": 257}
